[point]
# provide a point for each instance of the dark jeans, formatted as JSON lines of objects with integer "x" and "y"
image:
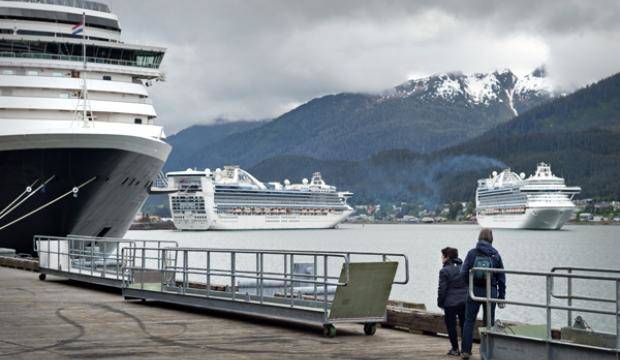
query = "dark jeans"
{"x": 471, "y": 313}
{"x": 451, "y": 313}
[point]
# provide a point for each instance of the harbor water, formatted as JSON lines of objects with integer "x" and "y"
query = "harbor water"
{"x": 529, "y": 250}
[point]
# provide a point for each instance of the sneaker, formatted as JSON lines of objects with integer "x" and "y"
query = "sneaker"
{"x": 465, "y": 355}
{"x": 453, "y": 353}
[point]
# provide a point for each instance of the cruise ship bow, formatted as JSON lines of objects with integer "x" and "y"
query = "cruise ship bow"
{"x": 78, "y": 144}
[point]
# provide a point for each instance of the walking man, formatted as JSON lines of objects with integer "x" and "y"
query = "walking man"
{"x": 483, "y": 255}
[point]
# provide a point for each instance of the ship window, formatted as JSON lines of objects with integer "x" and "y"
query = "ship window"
{"x": 107, "y": 77}
{"x": 58, "y": 74}
{"x": 64, "y": 95}
{"x": 32, "y": 73}
{"x": 6, "y": 92}
{"x": 124, "y": 181}
{"x": 137, "y": 121}
{"x": 8, "y": 72}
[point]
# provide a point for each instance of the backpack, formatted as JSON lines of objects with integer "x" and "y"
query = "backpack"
{"x": 481, "y": 261}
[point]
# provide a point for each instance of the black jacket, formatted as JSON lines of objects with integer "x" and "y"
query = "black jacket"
{"x": 452, "y": 289}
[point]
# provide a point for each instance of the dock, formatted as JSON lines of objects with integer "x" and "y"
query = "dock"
{"x": 59, "y": 319}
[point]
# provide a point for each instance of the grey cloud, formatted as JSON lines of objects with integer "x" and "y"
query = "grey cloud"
{"x": 256, "y": 59}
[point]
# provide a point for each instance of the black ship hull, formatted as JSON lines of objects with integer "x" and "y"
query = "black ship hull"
{"x": 114, "y": 185}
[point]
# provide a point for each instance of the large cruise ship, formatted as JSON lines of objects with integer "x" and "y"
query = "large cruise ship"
{"x": 233, "y": 199}
{"x": 508, "y": 200}
{"x": 78, "y": 143}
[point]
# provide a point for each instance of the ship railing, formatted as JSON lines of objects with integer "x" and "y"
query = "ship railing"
{"x": 161, "y": 181}
{"x": 161, "y": 185}
{"x": 83, "y": 4}
{"x": 576, "y": 336}
{"x": 90, "y": 258}
{"x": 307, "y": 281}
{"x": 77, "y": 58}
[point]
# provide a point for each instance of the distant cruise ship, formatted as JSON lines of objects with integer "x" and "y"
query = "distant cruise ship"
{"x": 232, "y": 199}
{"x": 79, "y": 146}
{"x": 508, "y": 200}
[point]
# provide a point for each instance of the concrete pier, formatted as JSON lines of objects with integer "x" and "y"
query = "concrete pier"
{"x": 59, "y": 319}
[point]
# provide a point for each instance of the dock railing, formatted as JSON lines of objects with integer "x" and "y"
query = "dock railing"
{"x": 89, "y": 258}
{"x": 307, "y": 281}
{"x": 570, "y": 296}
{"x": 549, "y": 277}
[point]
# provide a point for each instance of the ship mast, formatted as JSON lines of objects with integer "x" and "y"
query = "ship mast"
{"x": 84, "y": 88}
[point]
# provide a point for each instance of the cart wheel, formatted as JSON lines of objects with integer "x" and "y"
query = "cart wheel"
{"x": 42, "y": 277}
{"x": 370, "y": 329}
{"x": 329, "y": 330}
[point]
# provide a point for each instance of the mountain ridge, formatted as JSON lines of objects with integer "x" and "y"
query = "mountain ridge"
{"x": 585, "y": 150}
{"x": 421, "y": 115}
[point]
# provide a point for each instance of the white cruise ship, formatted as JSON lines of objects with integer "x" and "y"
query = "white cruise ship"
{"x": 78, "y": 144}
{"x": 232, "y": 199}
{"x": 508, "y": 200}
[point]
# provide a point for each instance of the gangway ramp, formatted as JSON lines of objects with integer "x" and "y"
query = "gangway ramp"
{"x": 96, "y": 260}
{"x": 218, "y": 279}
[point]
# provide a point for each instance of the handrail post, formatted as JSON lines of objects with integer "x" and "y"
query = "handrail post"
{"x": 548, "y": 303}
{"x": 292, "y": 289}
{"x": 92, "y": 258}
{"x": 347, "y": 262}
{"x": 232, "y": 273}
{"x": 158, "y": 260}
{"x": 208, "y": 283}
{"x": 162, "y": 268}
{"x": 256, "y": 276}
{"x": 569, "y": 293}
{"x": 284, "y": 274}
{"x": 262, "y": 270}
{"x": 617, "y": 315}
{"x": 185, "y": 280}
{"x": 105, "y": 270}
{"x": 489, "y": 307}
{"x": 325, "y": 287}
{"x": 314, "y": 269}
{"x": 118, "y": 267}
{"x": 143, "y": 263}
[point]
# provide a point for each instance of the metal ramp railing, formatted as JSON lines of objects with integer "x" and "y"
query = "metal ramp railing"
{"x": 91, "y": 259}
{"x": 318, "y": 287}
{"x": 542, "y": 341}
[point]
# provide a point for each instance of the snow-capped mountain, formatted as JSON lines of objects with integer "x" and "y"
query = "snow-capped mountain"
{"x": 421, "y": 115}
{"x": 480, "y": 89}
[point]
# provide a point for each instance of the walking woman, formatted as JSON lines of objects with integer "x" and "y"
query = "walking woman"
{"x": 451, "y": 295}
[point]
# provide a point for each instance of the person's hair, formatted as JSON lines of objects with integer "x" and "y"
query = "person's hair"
{"x": 486, "y": 235}
{"x": 450, "y": 253}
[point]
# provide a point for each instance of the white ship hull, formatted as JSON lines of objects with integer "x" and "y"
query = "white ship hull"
{"x": 538, "y": 218}
{"x": 261, "y": 222}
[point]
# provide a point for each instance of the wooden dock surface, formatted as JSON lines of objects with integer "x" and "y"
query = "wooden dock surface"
{"x": 58, "y": 319}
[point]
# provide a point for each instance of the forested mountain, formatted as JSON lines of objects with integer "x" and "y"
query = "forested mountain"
{"x": 188, "y": 143}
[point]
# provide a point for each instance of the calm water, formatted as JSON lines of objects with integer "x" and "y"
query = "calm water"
{"x": 584, "y": 246}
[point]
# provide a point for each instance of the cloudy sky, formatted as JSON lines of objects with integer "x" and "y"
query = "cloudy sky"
{"x": 257, "y": 59}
